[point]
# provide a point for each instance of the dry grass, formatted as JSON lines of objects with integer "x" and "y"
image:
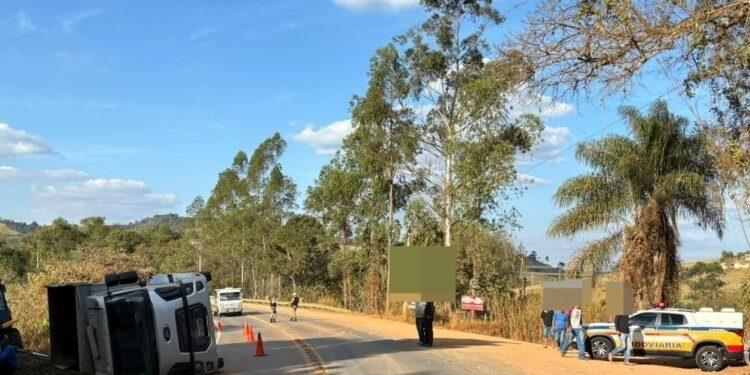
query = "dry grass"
{"x": 29, "y": 301}
{"x": 516, "y": 319}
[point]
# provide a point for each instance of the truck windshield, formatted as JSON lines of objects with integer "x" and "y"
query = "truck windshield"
{"x": 233, "y": 296}
{"x": 131, "y": 330}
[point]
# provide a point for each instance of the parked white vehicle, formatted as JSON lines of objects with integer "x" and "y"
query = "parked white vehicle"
{"x": 228, "y": 301}
{"x": 713, "y": 339}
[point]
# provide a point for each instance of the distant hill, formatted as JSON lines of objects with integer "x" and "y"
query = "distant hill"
{"x": 18, "y": 227}
{"x": 172, "y": 221}
{"x": 6, "y": 232}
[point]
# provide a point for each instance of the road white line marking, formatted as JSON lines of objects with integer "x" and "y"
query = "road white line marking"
{"x": 312, "y": 357}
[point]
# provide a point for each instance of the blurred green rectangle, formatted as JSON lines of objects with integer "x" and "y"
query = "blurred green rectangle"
{"x": 563, "y": 295}
{"x": 422, "y": 273}
{"x": 619, "y": 298}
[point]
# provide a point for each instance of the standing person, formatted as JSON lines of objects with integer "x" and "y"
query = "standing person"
{"x": 273, "y": 310}
{"x": 546, "y": 317}
{"x": 622, "y": 325}
{"x": 429, "y": 318}
{"x": 419, "y": 308}
{"x": 560, "y": 326}
{"x": 576, "y": 328}
{"x": 295, "y": 305}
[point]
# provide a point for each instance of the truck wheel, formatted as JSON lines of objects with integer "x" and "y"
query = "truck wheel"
{"x": 710, "y": 358}
{"x": 600, "y": 348}
{"x": 14, "y": 338}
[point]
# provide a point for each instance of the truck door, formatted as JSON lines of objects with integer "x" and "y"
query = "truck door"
{"x": 642, "y": 328}
{"x": 673, "y": 336}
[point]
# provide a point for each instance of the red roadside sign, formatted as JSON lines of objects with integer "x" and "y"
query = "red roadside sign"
{"x": 472, "y": 303}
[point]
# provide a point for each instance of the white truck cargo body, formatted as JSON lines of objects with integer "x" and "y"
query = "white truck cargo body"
{"x": 725, "y": 319}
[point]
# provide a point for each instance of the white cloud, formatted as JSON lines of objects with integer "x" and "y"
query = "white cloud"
{"x": 327, "y": 139}
{"x": 526, "y": 101}
{"x": 10, "y": 173}
{"x": 526, "y": 179}
{"x": 70, "y": 59}
{"x": 119, "y": 200}
{"x": 68, "y": 21}
{"x": 553, "y": 141}
{"x": 267, "y": 33}
{"x": 376, "y": 4}
{"x": 13, "y": 174}
{"x": 15, "y": 142}
{"x": 203, "y": 33}
{"x": 25, "y": 25}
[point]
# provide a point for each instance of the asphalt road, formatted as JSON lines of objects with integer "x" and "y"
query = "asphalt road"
{"x": 337, "y": 343}
{"x": 323, "y": 344}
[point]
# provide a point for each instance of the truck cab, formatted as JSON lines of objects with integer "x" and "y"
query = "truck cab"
{"x": 162, "y": 327}
{"x": 712, "y": 338}
{"x": 228, "y": 301}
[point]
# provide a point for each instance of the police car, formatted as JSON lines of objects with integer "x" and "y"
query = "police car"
{"x": 712, "y": 338}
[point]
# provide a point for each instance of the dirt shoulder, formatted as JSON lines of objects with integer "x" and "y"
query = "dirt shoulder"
{"x": 33, "y": 365}
{"x": 502, "y": 353}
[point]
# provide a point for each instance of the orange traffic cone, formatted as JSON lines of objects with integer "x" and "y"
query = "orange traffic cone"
{"x": 259, "y": 351}
{"x": 249, "y": 333}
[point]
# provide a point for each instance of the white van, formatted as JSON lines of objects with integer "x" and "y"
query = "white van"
{"x": 228, "y": 301}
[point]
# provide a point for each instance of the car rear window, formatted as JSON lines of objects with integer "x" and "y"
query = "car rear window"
{"x": 672, "y": 320}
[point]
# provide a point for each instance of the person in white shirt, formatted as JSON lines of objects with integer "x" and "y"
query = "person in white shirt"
{"x": 576, "y": 328}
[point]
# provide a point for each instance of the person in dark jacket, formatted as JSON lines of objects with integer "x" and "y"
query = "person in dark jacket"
{"x": 295, "y": 305}
{"x": 429, "y": 318}
{"x": 546, "y": 317}
{"x": 622, "y": 325}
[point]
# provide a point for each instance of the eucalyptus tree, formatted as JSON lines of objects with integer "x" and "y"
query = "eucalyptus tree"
{"x": 334, "y": 198}
{"x": 195, "y": 233}
{"x": 251, "y": 200}
{"x": 638, "y": 189}
{"x": 422, "y": 227}
{"x": 467, "y": 140}
{"x": 302, "y": 251}
{"x": 384, "y": 140}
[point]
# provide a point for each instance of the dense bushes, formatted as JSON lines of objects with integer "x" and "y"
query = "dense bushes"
{"x": 86, "y": 265}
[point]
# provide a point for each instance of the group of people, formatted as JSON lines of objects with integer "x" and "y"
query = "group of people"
{"x": 561, "y": 327}
{"x": 425, "y": 315}
{"x": 294, "y": 304}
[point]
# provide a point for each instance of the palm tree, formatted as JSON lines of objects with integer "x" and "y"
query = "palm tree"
{"x": 638, "y": 188}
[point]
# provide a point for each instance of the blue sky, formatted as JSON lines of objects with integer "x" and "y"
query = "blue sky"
{"x": 131, "y": 109}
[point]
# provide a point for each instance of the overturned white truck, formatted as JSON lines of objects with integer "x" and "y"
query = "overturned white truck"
{"x": 128, "y": 326}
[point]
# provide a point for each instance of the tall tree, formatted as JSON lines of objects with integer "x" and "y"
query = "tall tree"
{"x": 303, "y": 251}
{"x": 384, "y": 140}
{"x": 251, "y": 200}
{"x": 195, "y": 233}
{"x": 334, "y": 198}
{"x": 579, "y": 45}
{"x": 467, "y": 141}
{"x": 638, "y": 189}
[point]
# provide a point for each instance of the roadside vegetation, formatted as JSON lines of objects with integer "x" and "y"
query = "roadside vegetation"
{"x": 431, "y": 161}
